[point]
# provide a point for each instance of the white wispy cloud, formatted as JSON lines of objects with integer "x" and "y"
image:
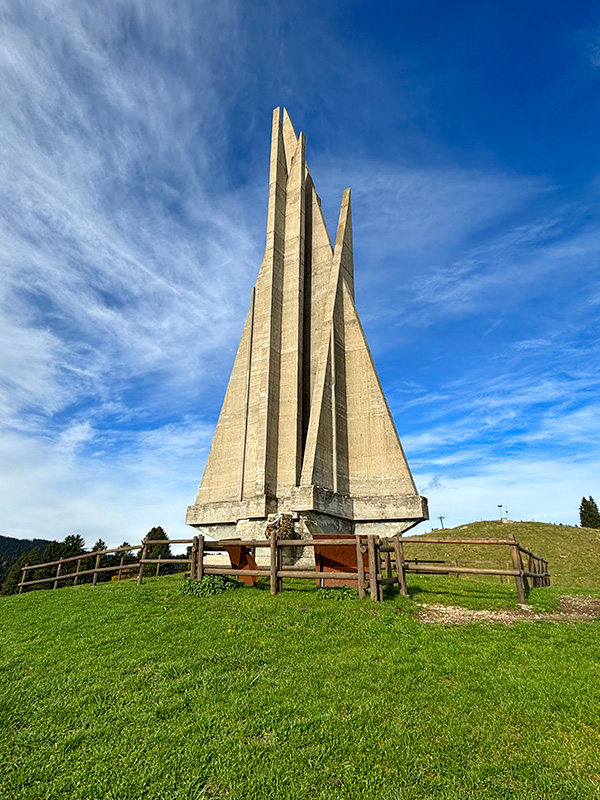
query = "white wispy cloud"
{"x": 128, "y": 246}
{"x": 100, "y": 281}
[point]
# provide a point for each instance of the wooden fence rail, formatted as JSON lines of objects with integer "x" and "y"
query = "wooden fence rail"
{"x": 369, "y": 562}
{"x": 377, "y": 562}
{"x": 60, "y": 576}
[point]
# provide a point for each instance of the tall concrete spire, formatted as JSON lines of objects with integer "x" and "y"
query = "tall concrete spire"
{"x": 305, "y": 427}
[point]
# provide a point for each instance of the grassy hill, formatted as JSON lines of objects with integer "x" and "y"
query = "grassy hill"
{"x": 120, "y": 691}
{"x": 573, "y": 554}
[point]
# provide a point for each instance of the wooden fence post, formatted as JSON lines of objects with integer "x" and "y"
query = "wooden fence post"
{"x": 96, "y": 568}
{"x": 360, "y": 564}
{"x": 142, "y": 557}
{"x": 388, "y": 558}
{"x": 77, "y": 572}
{"x": 58, "y": 568}
{"x": 158, "y": 567}
{"x": 525, "y": 579}
{"x": 399, "y": 548}
{"x": 193, "y": 558}
{"x": 279, "y": 567}
{"x": 517, "y": 565}
{"x": 23, "y": 572}
{"x": 200, "y": 559}
{"x": 373, "y": 567}
{"x": 273, "y": 565}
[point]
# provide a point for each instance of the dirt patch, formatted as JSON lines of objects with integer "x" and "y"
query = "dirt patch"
{"x": 572, "y": 609}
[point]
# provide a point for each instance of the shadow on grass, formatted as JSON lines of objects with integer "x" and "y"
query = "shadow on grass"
{"x": 462, "y": 592}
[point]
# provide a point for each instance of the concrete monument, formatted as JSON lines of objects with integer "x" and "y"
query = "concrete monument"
{"x": 305, "y": 428}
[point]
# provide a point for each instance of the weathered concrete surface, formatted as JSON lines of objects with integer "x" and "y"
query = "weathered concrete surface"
{"x": 305, "y": 427}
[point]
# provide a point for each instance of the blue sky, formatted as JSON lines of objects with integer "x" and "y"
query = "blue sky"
{"x": 134, "y": 156}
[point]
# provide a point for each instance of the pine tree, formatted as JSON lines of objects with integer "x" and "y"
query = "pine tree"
{"x": 162, "y": 551}
{"x": 105, "y": 561}
{"x": 11, "y": 584}
{"x": 13, "y": 579}
{"x": 35, "y": 557}
{"x": 589, "y": 516}
{"x": 53, "y": 552}
{"x": 128, "y": 556}
{"x": 73, "y": 545}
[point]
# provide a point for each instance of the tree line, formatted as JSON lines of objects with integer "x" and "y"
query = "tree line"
{"x": 74, "y": 545}
{"x": 11, "y": 549}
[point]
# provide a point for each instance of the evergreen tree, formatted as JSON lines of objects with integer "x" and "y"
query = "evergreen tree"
{"x": 106, "y": 560}
{"x": 589, "y": 516}
{"x": 158, "y": 550}
{"x": 53, "y": 552}
{"x": 73, "y": 545}
{"x": 11, "y": 549}
{"x": 129, "y": 557}
{"x": 35, "y": 557}
{"x": 13, "y": 579}
{"x": 11, "y": 584}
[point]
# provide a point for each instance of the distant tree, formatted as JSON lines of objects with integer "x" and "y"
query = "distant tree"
{"x": 105, "y": 561}
{"x": 589, "y": 516}
{"x": 13, "y": 579}
{"x": 53, "y": 552}
{"x": 11, "y": 584}
{"x": 11, "y": 549}
{"x": 73, "y": 545}
{"x": 35, "y": 557}
{"x": 162, "y": 551}
{"x": 128, "y": 555}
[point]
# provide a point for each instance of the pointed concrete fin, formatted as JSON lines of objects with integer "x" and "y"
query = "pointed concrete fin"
{"x": 277, "y": 182}
{"x": 377, "y": 465}
{"x": 290, "y": 139}
{"x": 223, "y": 471}
{"x": 317, "y": 465}
{"x": 343, "y": 242}
{"x": 290, "y": 341}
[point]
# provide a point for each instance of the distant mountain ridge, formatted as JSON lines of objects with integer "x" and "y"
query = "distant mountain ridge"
{"x": 11, "y": 549}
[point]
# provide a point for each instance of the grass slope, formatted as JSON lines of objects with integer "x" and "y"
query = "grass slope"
{"x": 120, "y": 691}
{"x": 573, "y": 554}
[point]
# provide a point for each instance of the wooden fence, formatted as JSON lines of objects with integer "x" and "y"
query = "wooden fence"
{"x": 375, "y": 562}
{"x": 368, "y": 562}
{"x": 59, "y": 575}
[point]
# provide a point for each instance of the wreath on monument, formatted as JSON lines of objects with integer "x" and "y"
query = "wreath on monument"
{"x": 281, "y": 526}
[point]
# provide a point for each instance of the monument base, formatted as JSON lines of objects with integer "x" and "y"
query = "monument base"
{"x": 307, "y": 525}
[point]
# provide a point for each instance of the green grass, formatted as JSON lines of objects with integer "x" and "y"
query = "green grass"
{"x": 573, "y": 554}
{"x": 122, "y": 692}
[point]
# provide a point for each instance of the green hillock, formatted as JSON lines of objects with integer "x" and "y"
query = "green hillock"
{"x": 573, "y": 554}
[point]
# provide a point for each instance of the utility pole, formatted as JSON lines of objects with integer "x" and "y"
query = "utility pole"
{"x": 441, "y": 519}
{"x": 500, "y": 507}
